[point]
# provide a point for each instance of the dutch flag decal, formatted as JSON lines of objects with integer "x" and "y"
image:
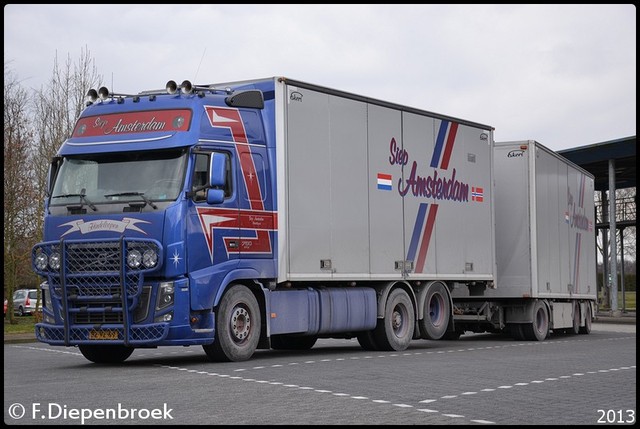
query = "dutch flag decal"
{"x": 384, "y": 182}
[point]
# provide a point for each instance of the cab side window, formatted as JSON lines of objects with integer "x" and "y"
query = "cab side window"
{"x": 200, "y": 180}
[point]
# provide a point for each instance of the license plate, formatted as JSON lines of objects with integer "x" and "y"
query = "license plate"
{"x": 103, "y": 335}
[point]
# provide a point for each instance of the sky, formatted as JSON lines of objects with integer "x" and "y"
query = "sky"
{"x": 564, "y": 75}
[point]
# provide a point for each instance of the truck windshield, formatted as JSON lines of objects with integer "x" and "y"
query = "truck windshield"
{"x": 120, "y": 177}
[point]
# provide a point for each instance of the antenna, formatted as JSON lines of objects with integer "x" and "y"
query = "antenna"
{"x": 195, "y": 78}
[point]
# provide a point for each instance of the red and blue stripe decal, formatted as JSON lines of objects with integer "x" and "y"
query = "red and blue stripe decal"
{"x": 445, "y": 140}
{"x": 578, "y": 243}
{"x": 426, "y": 218}
{"x": 255, "y": 224}
{"x": 422, "y": 231}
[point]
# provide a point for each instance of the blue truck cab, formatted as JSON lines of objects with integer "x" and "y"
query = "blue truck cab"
{"x": 156, "y": 203}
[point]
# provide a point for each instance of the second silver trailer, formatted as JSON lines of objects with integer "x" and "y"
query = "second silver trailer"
{"x": 545, "y": 247}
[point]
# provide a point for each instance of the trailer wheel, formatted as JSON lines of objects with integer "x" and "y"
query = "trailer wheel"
{"x": 292, "y": 342}
{"x": 538, "y": 329}
{"x": 237, "y": 326}
{"x": 367, "y": 341}
{"x": 105, "y": 353}
{"x": 395, "y": 331}
{"x": 586, "y": 329}
{"x": 437, "y": 312}
{"x": 575, "y": 329}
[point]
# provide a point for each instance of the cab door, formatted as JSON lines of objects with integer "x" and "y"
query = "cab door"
{"x": 213, "y": 229}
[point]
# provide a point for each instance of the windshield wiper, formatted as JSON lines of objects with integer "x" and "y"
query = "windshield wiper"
{"x": 133, "y": 194}
{"x": 83, "y": 198}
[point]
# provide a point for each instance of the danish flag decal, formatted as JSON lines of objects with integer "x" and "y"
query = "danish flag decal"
{"x": 255, "y": 224}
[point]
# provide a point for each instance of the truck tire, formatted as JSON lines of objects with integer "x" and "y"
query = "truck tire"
{"x": 437, "y": 312}
{"x": 516, "y": 331}
{"x": 238, "y": 326}
{"x": 367, "y": 341}
{"x": 575, "y": 329}
{"x": 395, "y": 331}
{"x": 293, "y": 342}
{"x": 452, "y": 335}
{"x": 105, "y": 353}
{"x": 586, "y": 329}
{"x": 538, "y": 329}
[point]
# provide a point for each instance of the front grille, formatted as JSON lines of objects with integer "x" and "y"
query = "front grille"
{"x": 97, "y": 279}
{"x": 97, "y": 318}
{"x": 93, "y": 257}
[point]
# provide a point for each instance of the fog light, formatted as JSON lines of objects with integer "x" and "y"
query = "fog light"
{"x": 150, "y": 258}
{"x": 41, "y": 261}
{"x": 134, "y": 259}
{"x": 167, "y": 317}
{"x": 54, "y": 261}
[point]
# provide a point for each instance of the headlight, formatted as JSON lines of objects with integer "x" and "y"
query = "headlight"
{"x": 41, "y": 261}
{"x": 54, "y": 261}
{"x": 150, "y": 258}
{"x": 165, "y": 295}
{"x": 167, "y": 317}
{"x": 46, "y": 298}
{"x": 134, "y": 259}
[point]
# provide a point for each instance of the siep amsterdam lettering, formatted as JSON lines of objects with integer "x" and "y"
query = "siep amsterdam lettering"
{"x": 577, "y": 220}
{"x": 434, "y": 185}
{"x": 439, "y": 184}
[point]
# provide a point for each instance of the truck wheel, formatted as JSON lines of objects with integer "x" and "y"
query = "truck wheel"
{"x": 437, "y": 312}
{"x": 105, "y": 353}
{"x": 238, "y": 326}
{"x": 367, "y": 341}
{"x": 452, "y": 335}
{"x": 586, "y": 329}
{"x": 517, "y": 332}
{"x": 292, "y": 342}
{"x": 395, "y": 331}
{"x": 575, "y": 329}
{"x": 539, "y": 328}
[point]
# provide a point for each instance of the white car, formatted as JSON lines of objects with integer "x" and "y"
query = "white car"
{"x": 24, "y": 301}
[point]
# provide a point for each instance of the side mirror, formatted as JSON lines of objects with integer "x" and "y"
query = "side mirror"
{"x": 218, "y": 170}
{"x": 215, "y": 196}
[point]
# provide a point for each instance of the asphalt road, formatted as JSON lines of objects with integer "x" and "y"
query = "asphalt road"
{"x": 478, "y": 379}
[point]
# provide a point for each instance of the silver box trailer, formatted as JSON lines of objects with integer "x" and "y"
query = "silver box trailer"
{"x": 545, "y": 244}
{"x": 375, "y": 191}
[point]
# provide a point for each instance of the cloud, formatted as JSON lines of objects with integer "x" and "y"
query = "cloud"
{"x": 561, "y": 74}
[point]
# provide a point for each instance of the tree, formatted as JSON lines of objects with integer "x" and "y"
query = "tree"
{"x": 34, "y": 129}
{"x": 19, "y": 197}
{"x": 56, "y": 108}
{"x": 625, "y": 211}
